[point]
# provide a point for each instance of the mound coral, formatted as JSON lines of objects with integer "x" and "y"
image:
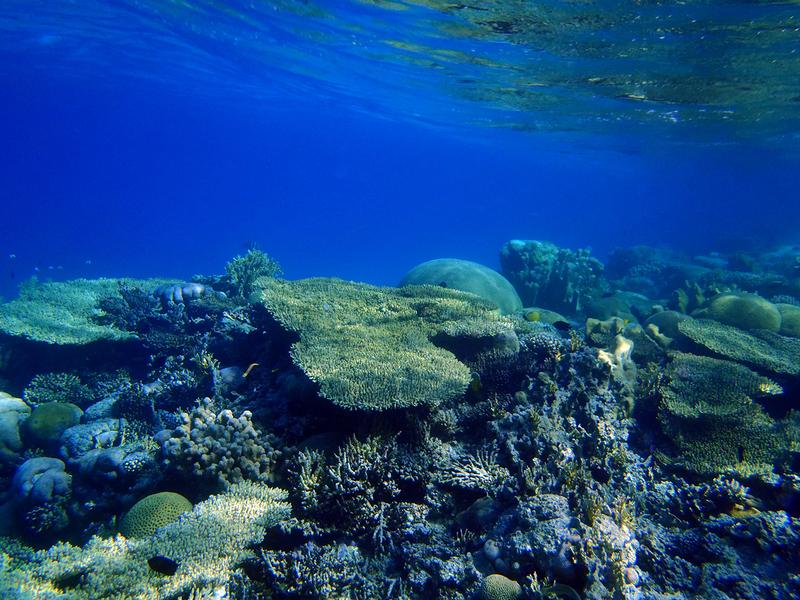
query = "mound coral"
{"x": 371, "y": 348}
{"x": 466, "y": 276}
{"x": 745, "y": 311}
{"x": 48, "y": 421}
{"x": 152, "y": 512}
{"x": 499, "y": 587}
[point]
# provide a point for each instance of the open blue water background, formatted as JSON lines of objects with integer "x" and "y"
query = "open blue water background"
{"x": 357, "y": 139}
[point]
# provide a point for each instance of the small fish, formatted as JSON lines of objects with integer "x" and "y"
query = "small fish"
{"x": 12, "y": 256}
{"x": 50, "y": 267}
{"x": 163, "y": 565}
{"x": 87, "y": 262}
{"x": 37, "y": 269}
{"x": 562, "y": 325}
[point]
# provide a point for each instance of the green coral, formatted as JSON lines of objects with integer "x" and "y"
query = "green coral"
{"x": 466, "y": 276}
{"x": 745, "y": 311}
{"x": 708, "y": 413}
{"x": 370, "y": 348}
{"x": 152, "y": 512}
{"x": 65, "y": 312}
{"x": 243, "y": 271}
{"x": 48, "y": 421}
{"x": 57, "y": 387}
{"x": 207, "y": 544}
{"x": 759, "y": 348}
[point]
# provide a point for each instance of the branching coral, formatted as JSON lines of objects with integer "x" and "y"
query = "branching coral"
{"x": 219, "y": 447}
{"x": 243, "y": 271}
{"x": 58, "y": 387}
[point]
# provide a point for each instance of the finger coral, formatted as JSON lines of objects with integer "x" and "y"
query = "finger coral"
{"x": 218, "y": 446}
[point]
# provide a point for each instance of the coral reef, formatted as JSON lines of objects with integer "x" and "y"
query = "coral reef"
{"x": 652, "y": 454}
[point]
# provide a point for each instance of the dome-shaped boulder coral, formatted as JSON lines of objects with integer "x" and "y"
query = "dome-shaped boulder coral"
{"x": 790, "y": 320}
{"x": 48, "y": 421}
{"x": 153, "y": 512}
{"x": 745, "y": 311}
{"x": 466, "y": 276}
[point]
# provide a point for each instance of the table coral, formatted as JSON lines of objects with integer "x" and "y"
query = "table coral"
{"x": 370, "y": 348}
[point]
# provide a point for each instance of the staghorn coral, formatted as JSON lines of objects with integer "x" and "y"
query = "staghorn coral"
{"x": 311, "y": 571}
{"x": 370, "y": 348}
{"x": 357, "y": 490}
{"x": 762, "y": 349}
{"x": 58, "y": 387}
{"x": 218, "y": 446}
{"x": 479, "y": 472}
{"x": 207, "y": 544}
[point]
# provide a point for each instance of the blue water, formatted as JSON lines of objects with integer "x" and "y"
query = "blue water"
{"x": 357, "y": 139}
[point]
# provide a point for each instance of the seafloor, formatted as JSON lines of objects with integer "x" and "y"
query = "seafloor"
{"x": 570, "y": 429}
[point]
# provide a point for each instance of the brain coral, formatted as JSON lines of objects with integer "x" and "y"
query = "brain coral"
{"x": 466, "y": 276}
{"x": 370, "y": 348}
{"x": 152, "y": 512}
{"x": 499, "y": 587}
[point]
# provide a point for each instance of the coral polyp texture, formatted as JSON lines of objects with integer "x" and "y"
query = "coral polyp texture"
{"x": 152, "y": 512}
{"x": 371, "y": 348}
